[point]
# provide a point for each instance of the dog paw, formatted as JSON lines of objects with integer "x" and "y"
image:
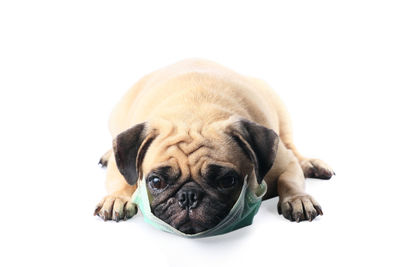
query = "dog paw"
{"x": 104, "y": 159}
{"x": 315, "y": 168}
{"x": 115, "y": 208}
{"x": 299, "y": 208}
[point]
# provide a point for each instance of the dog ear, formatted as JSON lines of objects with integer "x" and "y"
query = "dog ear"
{"x": 129, "y": 148}
{"x": 258, "y": 142}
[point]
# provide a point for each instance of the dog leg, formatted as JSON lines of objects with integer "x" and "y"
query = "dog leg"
{"x": 104, "y": 159}
{"x": 116, "y": 206}
{"x": 294, "y": 203}
{"x": 312, "y": 168}
{"x": 316, "y": 168}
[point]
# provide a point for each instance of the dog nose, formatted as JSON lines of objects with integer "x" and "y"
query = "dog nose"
{"x": 188, "y": 198}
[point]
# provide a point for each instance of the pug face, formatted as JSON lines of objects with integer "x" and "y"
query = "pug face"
{"x": 195, "y": 175}
{"x": 193, "y": 204}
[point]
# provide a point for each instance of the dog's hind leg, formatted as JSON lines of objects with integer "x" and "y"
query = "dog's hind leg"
{"x": 104, "y": 159}
{"x": 312, "y": 168}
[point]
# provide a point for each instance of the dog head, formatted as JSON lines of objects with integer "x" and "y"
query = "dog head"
{"x": 194, "y": 174}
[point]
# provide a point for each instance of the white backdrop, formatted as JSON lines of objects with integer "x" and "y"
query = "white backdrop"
{"x": 64, "y": 64}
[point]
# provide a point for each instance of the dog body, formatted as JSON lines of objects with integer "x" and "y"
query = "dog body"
{"x": 199, "y": 119}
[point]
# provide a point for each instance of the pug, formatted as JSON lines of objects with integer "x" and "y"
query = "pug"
{"x": 191, "y": 132}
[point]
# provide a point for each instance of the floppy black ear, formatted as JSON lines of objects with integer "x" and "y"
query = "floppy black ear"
{"x": 259, "y": 143}
{"x": 129, "y": 149}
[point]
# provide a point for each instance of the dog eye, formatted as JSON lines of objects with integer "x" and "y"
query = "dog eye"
{"x": 157, "y": 183}
{"x": 226, "y": 182}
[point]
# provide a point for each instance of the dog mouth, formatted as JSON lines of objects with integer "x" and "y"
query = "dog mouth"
{"x": 189, "y": 228}
{"x": 191, "y": 221}
{"x": 188, "y": 225}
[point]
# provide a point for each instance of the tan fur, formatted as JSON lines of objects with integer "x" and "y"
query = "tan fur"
{"x": 193, "y": 101}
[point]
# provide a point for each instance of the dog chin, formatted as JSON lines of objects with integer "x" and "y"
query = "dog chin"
{"x": 206, "y": 216}
{"x": 186, "y": 222}
{"x": 190, "y": 228}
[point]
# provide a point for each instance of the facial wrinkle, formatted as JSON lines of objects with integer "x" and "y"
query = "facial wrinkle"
{"x": 180, "y": 157}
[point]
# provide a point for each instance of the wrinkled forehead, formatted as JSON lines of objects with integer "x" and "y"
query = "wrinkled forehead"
{"x": 191, "y": 150}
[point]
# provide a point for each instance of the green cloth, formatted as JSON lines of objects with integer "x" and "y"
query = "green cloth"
{"x": 241, "y": 214}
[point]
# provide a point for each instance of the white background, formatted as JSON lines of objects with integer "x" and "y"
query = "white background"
{"x": 64, "y": 64}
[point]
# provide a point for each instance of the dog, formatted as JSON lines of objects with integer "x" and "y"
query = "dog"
{"x": 192, "y": 131}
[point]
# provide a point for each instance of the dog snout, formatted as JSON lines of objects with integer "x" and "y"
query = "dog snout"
{"x": 189, "y": 197}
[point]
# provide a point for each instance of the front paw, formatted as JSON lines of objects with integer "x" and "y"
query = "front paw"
{"x": 299, "y": 208}
{"x": 115, "y": 208}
